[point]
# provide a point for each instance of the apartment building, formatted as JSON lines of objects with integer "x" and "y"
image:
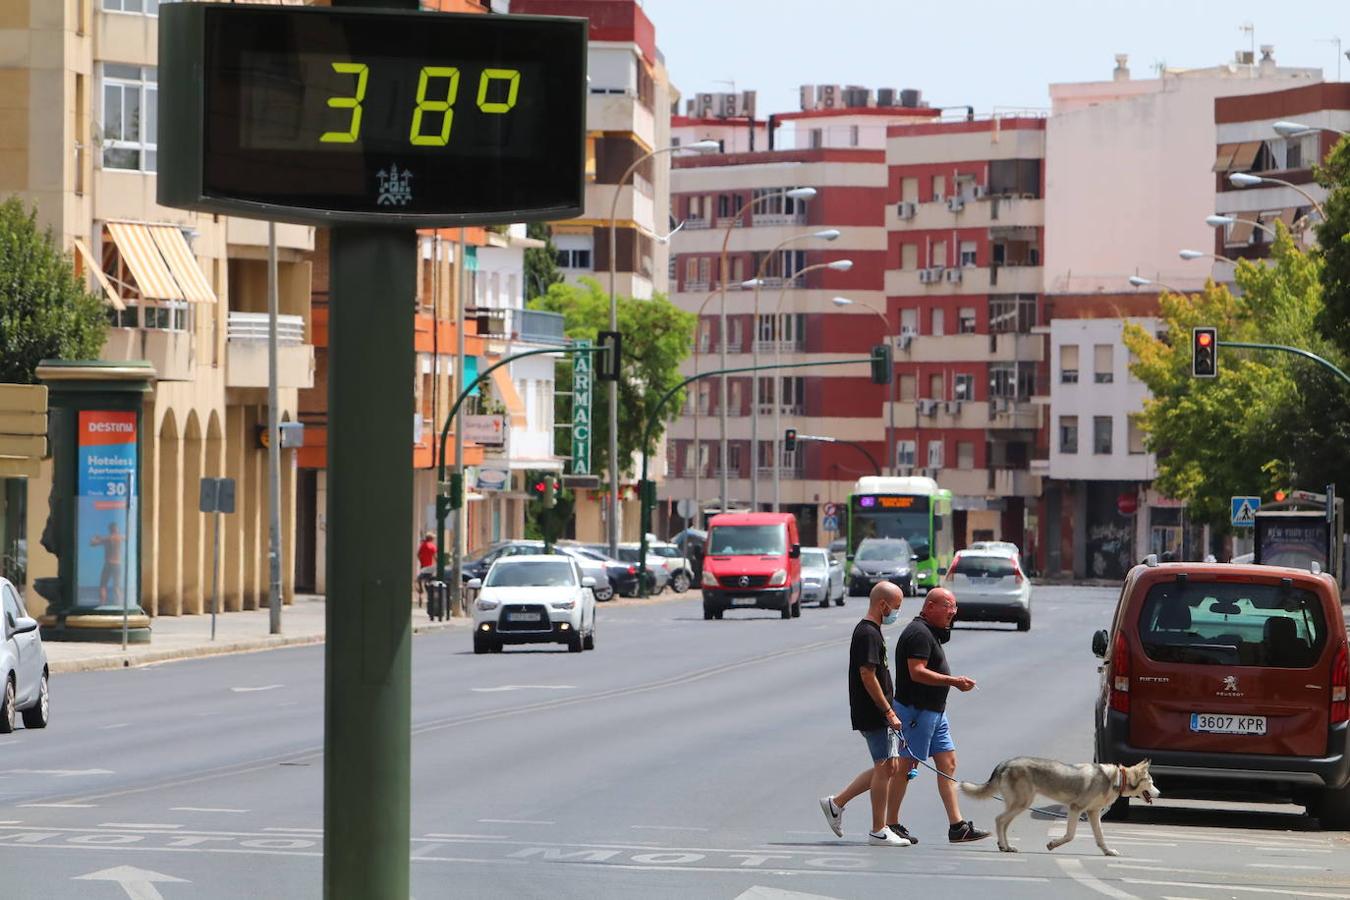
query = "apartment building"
{"x": 797, "y": 318}
{"x": 965, "y": 220}
{"x": 187, "y": 292}
{"x": 1115, "y": 208}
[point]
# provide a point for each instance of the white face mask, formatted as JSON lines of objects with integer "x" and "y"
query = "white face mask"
{"x": 891, "y": 617}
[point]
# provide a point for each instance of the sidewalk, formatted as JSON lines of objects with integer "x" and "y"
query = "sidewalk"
{"x": 184, "y": 637}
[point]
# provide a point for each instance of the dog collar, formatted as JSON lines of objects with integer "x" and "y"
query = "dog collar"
{"x": 1121, "y": 789}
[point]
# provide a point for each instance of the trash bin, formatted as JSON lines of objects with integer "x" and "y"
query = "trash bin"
{"x": 438, "y": 600}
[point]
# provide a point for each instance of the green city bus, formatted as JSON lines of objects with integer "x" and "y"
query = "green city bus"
{"x": 909, "y": 507}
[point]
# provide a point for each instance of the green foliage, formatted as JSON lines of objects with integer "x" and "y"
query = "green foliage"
{"x": 45, "y": 312}
{"x": 1263, "y": 422}
{"x": 541, "y": 263}
{"x": 1333, "y": 238}
{"x": 657, "y": 337}
{"x": 549, "y": 524}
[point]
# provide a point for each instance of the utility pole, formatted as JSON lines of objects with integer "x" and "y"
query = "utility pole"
{"x": 461, "y": 517}
{"x": 273, "y": 443}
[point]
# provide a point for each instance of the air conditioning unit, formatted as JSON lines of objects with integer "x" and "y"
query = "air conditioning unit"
{"x": 829, "y": 96}
{"x": 808, "y": 97}
{"x": 954, "y": 276}
{"x": 728, "y": 106}
{"x": 936, "y": 274}
{"x": 956, "y": 203}
{"x": 1003, "y": 404}
{"x": 954, "y": 407}
{"x": 705, "y": 105}
{"x": 906, "y": 210}
{"x": 748, "y": 103}
{"x": 927, "y": 407}
{"x": 981, "y": 192}
{"x": 925, "y": 276}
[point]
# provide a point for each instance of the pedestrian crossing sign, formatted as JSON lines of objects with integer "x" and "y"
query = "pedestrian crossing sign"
{"x": 1244, "y": 511}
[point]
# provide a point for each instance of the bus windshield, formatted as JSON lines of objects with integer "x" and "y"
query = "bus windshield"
{"x": 911, "y": 525}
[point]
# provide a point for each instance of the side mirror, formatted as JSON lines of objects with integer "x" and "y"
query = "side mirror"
{"x": 23, "y": 625}
{"x": 1099, "y": 643}
{"x": 588, "y": 582}
{"x": 848, "y": 558}
{"x": 475, "y": 583}
{"x": 795, "y": 552}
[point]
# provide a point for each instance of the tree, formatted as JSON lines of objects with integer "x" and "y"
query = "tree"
{"x": 1260, "y": 423}
{"x": 45, "y": 312}
{"x": 1333, "y": 238}
{"x": 657, "y": 337}
{"x": 541, "y": 263}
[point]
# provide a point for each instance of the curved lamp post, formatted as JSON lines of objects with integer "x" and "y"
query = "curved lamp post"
{"x": 1139, "y": 281}
{"x": 1246, "y": 179}
{"x": 890, "y": 420}
{"x": 1218, "y": 221}
{"x": 613, "y": 524}
{"x": 1200, "y": 254}
{"x": 1298, "y": 129}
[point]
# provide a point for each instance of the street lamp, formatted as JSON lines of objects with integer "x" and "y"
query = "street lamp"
{"x": 1217, "y": 221}
{"x": 825, "y": 234}
{"x": 697, "y": 387}
{"x": 1246, "y": 179}
{"x": 890, "y": 421}
{"x": 1200, "y": 254}
{"x": 724, "y": 275}
{"x": 1139, "y": 281}
{"x": 1298, "y": 129}
{"x": 838, "y": 265}
{"x": 700, "y": 147}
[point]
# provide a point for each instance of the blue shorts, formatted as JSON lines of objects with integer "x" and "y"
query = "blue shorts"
{"x": 882, "y": 743}
{"x": 926, "y": 732}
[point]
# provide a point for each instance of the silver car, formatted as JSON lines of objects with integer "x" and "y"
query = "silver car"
{"x": 23, "y": 664}
{"x": 822, "y": 577}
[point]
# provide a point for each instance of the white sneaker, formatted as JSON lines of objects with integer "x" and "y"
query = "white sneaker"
{"x": 886, "y": 838}
{"x": 833, "y": 814}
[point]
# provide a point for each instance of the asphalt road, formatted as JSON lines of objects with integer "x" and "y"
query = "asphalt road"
{"x": 680, "y": 759}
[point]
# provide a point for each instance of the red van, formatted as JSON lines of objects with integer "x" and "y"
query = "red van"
{"x": 753, "y": 561}
{"x": 1232, "y": 679}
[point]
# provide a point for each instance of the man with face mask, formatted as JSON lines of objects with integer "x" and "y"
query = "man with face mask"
{"x": 870, "y": 695}
{"x": 922, "y": 680}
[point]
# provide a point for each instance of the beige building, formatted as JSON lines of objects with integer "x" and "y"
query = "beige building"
{"x": 188, "y": 292}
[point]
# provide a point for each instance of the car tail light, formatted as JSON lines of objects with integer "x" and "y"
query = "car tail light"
{"x": 1340, "y": 681}
{"x": 1017, "y": 574}
{"x": 1120, "y": 674}
{"x": 632, "y": 570}
{"x": 951, "y": 569}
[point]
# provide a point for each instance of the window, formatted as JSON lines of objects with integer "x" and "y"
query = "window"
{"x": 939, "y": 188}
{"x": 1135, "y": 435}
{"x": 1068, "y": 363}
{"x": 148, "y": 7}
{"x": 704, "y": 270}
{"x": 965, "y": 320}
{"x": 939, "y": 322}
{"x": 909, "y": 257}
{"x": 737, "y": 329}
{"x": 1015, "y": 177}
{"x": 904, "y": 454}
{"x": 968, "y": 254}
{"x": 690, "y": 270}
{"x": 705, "y": 390}
{"x": 909, "y": 320}
{"x": 575, "y": 259}
{"x": 907, "y": 388}
{"x": 935, "y": 387}
{"x": 909, "y": 190}
{"x": 130, "y": 107}
{"x": 965, "y": 455}
{"x": 817, "y": 138}
{"x": 1133, "y": 361}
{"x": 938, "y": 258}
{"x": 1101, "y": 435}
{"x": 1068, "y": 434}
{"x": 1012, "y": 313}
{"x": 1012, "y": 381}
{"x": 1103, "y": 363}
{"x": 794, "y": 394}
{"x": 936, "y": 455}
{"x": 853, "y": 135}
{"x": 1233, "y": 624}
{"x": 965, "y": 387}
{"x": 734, "y": 457}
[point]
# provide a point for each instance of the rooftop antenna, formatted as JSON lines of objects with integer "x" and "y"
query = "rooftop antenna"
{"x": 1250, "y": 28}
{"x": 1337, "y": 41}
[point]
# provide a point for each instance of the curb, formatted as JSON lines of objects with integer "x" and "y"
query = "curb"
{"x": 152, "y": 657}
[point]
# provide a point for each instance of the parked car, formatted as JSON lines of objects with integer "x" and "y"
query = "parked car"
{"x": 477, "y": 565}
{"x": 839, "y": 550}
{"x": 753, "y": 561}
{"x": 881, "y": 559}
{"x": 591, "y": 567}
{"x": 1232, "y": 679}
{"x": 622, "y": 576}
{"x": 822, "y": 577}
{"x": 693, "y": 544}
{"x": 998, "y": 547}
{"x": 23, "y": 665}
{"x": 681, "y": 571}
{"x": 534, "y": 600}
{"x": 629, "y": 562}
{"x": 990, "y": 587}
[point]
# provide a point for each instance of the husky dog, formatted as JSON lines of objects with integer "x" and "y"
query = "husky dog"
{"x": 1087, "y": 788}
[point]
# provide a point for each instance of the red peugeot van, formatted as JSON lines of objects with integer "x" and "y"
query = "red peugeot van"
{"x": 753, "y": 561}
{"x": 1232, "y": 679}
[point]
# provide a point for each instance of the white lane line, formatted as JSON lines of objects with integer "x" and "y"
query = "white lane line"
{"x": 669, "y": 827}
{"x": 118, "y": 725}
{"x": 524, "y": 687}
{"x": 1237, "y": 887}
{"x": 1074, "y": 869}
{"x": 294, "y": 830}
{"x": 252, "y": 690}
{"x": 59, "y": 805}
{"x": 516, "y": 822}
{"x": 137, "y": 825}
{"x": 469, "y": 837}
{"x": 1284, "y": 866}
{"x": 1292, "y": 849}
{"x": 206, "y": 809}
{"x": 58, "y": 773}
{"x": 11, "y": 821}
{"x": 1222, "y": 838}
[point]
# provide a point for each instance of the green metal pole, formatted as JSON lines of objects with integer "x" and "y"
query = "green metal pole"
{"x": 643, "y": 500}
{"x": 1283, "y": 349}
{"x": 367, "y": 656}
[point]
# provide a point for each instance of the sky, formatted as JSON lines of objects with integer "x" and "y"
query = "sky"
{"x": 986, "y": 53}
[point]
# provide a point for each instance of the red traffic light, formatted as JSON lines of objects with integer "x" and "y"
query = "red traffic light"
{"x": 540, "y": 487}
{"x": 1279, "y": 496}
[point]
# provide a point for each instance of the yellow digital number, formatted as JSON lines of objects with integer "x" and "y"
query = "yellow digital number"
{"x": 490, "y": 75}
{"x": 415, "y": 135}
{"x": 353, "y": 103}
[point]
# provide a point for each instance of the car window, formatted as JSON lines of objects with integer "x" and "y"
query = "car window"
{"x": 1232, "y": 624}
{"x": 748, "y": 540}
{"x": 13, "y": 611}
{"x": 535, "y": 573}
{"x": 815, "y": 559}
{"x": 985, "y": 566}
{"x": 667, "y": 552}
{"x": 883, "y": 550}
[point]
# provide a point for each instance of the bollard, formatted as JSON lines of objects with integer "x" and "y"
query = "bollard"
{"x": 436, "y": 600}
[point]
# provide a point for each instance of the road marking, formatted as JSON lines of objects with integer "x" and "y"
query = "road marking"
{"x": 294, "y": 830}
{"x": 60, "y": 805}
{"x": 59, "y": 773}
{"x": 206, "y": 809}
{"x": 670, "y": 827}
{"x": 1284, "y": 866}
{"x": 1074, "y": 869}
{"x": 137, "y": 825}
{"x": 118, "y": 725}
{"x": 760, "y": 892}
{"x": 516, "y": 822}
{"x": 139, "y": 884}
{"x": 1236, "y": 887}
{"x": 251, "y": 690}
{"x": 525, "y": 687}
{"x": 469, "y": 837}
{"x": 1293, "y": 850}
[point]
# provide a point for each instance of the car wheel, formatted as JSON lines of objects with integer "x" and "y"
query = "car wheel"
{"x": 1024, "y": 623}
{"x": 680, "y": 583}
{"x": 718, "y": 615}
{"x": 588, "y": 643}
{"x": 786, "y": 612}
{"x": 1333, "y": 809}
{"x": 603, "y": 593}
{"x": 574, "y": 644}
{"x": 839, "y": 601}
{"x": 797, "y": 610}
{"x": 1118, "y": 811}
{"x": 7, "y": 708}
{"x": 480, "y": 643}
{"x": 37, "y": 715}
{"x": 495, "y": 645}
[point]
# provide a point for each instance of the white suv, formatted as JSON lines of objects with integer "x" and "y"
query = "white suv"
{"x": 534, "y": 600}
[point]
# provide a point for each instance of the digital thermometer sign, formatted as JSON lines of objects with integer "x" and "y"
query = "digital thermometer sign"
{"x": 334, "y": 116}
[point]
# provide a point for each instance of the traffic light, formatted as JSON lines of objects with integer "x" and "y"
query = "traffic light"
{"x": 1279, "y": 496}
{"x": 456, "y": 490}
{"x": 539, "y": 487}
{"x": 790, "y": 440}
{"x": 550, "y": 492}
{"x": 1205, "y": 352}
{"x": 611, "y": 358}
{"x": 881, "y": 364}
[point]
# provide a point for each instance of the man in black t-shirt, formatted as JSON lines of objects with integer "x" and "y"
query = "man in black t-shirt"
{"x": 922, "y": 681}
{"x": 870, "y": 695}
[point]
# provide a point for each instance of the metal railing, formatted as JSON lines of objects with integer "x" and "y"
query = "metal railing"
{"x": 247, "y": 326}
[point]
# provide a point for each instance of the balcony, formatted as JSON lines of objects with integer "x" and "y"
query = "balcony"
{"x": 1004, "y": 347}
{"x": 253, "y": 232}
{"x": 1005, "y": 412}
{"x": 530, "y": 326}
{"x": 1014, "y": 483}
{"x": 987, "y": 212}
{"x": 172, "y": 353}
{"x": 620, "y": 113}
{"x": 246, "y": 352}
{"x": 634, "y": 205}
{"x": 940, "y": 281}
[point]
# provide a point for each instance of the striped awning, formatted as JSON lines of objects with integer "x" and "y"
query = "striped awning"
{"x": 189, "y": 275}
{"x": 92, "y": 265}
{"x": 141, "y": 254}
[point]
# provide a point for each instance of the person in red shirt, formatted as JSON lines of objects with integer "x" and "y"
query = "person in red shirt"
{"x": 426, "y": 558}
